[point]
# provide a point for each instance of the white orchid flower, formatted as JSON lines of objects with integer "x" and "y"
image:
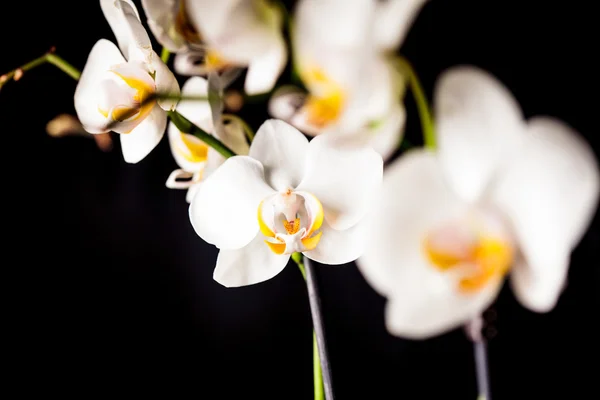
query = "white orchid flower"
{"x": 115, "y": 84}
{"x": 287, "y": 196}
{"x": 342, "y": 54}
{"x": 195, "y": 158}
{"x": 213, "y": 36}
{"x": 500, "y": 195}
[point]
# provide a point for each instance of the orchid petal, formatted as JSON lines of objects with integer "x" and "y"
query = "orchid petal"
{"x": 103, "y": 56}
{"x": 343, "y": 179}
{"x": 422, "y": 300}
{"x": 479, "y": 124}
{"x": 166, "y": 83}
{"x": 124, "y": 20}
{"x": 338, "y": 246}
{"x": 173, "y": 181}
{"x": 263, "y": 71}
{"x": 550, "y": 193}
{"x": 162, "y": 17}
{"x": 197, "y": 111}
{"x": 282, "y": 150}
{"x": 137, "y": 144}
{"x": 386, "y": 137}
{"x": 393, "y": 19}
{"x": 253, "y": 263}
{"x": 223, "y": 211}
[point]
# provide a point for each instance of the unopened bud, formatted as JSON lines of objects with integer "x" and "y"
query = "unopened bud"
{"x": 234, "y": 101}
{"x": 64, "y": 125}
{"x": 68, "y": 125}
{"x": 18, "y": 74}
{"x": 103, "y": 141}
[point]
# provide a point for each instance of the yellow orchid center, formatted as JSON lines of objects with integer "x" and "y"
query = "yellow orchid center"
{"x": 291, "y": 221}
{"x": 477, "y": 260}
{"x": 215, "y": 61}
{"x": 326, "y": 100}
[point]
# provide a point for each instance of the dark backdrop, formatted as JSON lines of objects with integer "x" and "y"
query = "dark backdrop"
{"x": 112, "y": 291}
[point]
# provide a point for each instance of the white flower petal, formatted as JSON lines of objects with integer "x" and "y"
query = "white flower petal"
{"x": 386, "y": 137}
{"x": 281, "y": 149}
{"x": 196, "y": 111}
{"x": 264, "y": 70}
{"x": 335, "y": 23}
{"x": 393, "y": 19}
{"x": 344, "y": 180}
{"x": 185, "y": 149}
{"x": 253, "y": 263}
{"x": 162, "y": 16}
{"x": 234, "y": 137}
{"x": 239, "y": 31}
{"x": 549, "y": 192}
{"x": 422, "y": 300}
{"x": 224, "y": 210}
{"x": 174, "y": 182}
{"x": 137, "y": 144}
{"x": 124, "y": 20}
{"x": 165, "y": 82}
{"x": 103, "y": 56}
{"x": 478, "y": 124}
{"x": 189, "y": 196}
{"x": 434, "y": 307}
{"x": 338, "y": 247}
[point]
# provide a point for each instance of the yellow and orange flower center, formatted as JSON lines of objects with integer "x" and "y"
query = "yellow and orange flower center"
{"x": 215, "y": 61}
{"x": 326, "y": 100}
{"x": 477, "y": 262}
{"x": 296, "y": 232}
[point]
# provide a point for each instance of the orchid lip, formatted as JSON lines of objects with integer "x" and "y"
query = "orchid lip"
{"x": 476, "y": 252}
{"x": 291, "y": 221}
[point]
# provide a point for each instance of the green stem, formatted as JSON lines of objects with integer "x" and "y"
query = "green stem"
{"x": 49, "y": 57}
{"x": 421, "y": 100}
{"x": 64, "y": 66}
{"x": 317, "y": 373}
{"x": 185, "y": 125}
{"x": 249, "y": 132}
{"x": 165, "y": 55}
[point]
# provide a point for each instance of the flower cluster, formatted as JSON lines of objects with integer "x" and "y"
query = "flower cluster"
{"x": 436, "y": 233}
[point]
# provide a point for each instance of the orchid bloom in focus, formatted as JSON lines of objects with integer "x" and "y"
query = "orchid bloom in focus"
{"x": 343, "y": 55}
{"x": 195, "y": 158}
{"x": 115, "y": 85}
{"x": 221, "y": 37}
{"x": 287, "y": 196}
{"x": 500, "y": 195}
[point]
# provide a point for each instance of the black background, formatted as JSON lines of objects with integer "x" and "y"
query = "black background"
{"x": 112, "y": 291}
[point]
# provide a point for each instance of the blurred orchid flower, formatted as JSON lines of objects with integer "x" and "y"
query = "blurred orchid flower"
{"x": 196, "y": 159}
{"x": 342, "y": 52}
{"x": 500, "y": 195}
{"x": 114, "y": 85}
{"x": 287, "y": 196}
{"x": 219, "y": 36}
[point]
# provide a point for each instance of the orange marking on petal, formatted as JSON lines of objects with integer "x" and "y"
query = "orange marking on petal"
{"x": 277, "y": 248}
{"x": 311, "y": 242}
{"x": 264, "y": 228}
